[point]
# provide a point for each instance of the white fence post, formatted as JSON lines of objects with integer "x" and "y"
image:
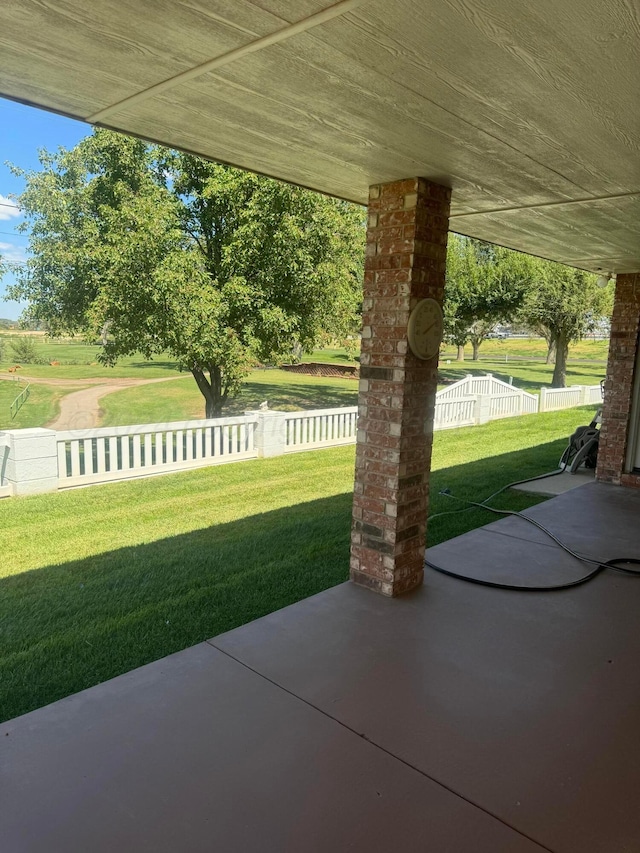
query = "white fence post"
{"x": 271, "y": 433}
{"x": 483, "y": 409}
{"x": 585, "y": 394}
{"x": 31, "y": 465}
{"x": 543, "y": 400}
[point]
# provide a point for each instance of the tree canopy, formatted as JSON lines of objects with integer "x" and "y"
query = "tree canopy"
{"x": 156, "y": 251}
{"x": 485, "y": 286}
{"x": 563, "y": 304}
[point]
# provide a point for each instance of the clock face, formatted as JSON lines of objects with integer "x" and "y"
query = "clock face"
{"x": 425, "y": 329}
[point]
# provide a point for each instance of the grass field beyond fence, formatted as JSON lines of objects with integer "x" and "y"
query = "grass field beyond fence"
{"x": 518, "y": 358}
{"x": 97, "y": 581}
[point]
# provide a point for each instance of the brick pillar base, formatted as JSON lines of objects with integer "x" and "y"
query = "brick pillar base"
{"x": 618, "y": 395}
{"x": 405, "y": 262}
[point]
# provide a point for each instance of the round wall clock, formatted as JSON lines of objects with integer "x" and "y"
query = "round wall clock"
{"x": 425, "y": 329}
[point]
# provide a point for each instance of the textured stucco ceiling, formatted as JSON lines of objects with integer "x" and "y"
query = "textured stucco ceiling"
{"x": 529, "y": 111}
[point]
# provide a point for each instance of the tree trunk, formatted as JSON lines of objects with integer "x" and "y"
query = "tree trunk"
{"x": 560, "y": 370}
{"x": 210, "y": 390}
{"x": 460, "y": 356}
{"x": 104, "y": 333}
{"x": 212, "y": 409}
{"x": 476, "y": 350}
{"x": 551, "y": 351}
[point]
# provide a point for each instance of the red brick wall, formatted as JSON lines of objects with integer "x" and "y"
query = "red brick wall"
{"x": 625, "y": 327}
{"x": 405, "y": 262}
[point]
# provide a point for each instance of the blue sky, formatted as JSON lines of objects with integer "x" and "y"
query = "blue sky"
{"x": 24, "y": 131}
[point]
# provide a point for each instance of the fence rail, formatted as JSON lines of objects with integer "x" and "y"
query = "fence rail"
{"x": 45, "y": 460}
{"x": 119, "y": 453}
{"x": 484, "y": 385}
{"x": 320, "y": 428}
{"x": 20, "y": 400}
{"x": 461, "y": 411}
{"x": 552, "y": 399}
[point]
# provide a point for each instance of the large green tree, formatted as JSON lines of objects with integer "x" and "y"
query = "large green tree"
{"x": 156, "y": 251}
{"x": 484, "y": 286}
{"x": 563, "y": 304}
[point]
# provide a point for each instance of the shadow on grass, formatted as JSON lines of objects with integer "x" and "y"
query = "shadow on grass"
{"x": 146, "y": 365}
{"x": 67, "y": 627}
{"x": 294, "y": 395}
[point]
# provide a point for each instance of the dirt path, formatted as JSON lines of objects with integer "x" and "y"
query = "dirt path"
{"x": 81, "y": 409}
{"x": 68, "y": 383}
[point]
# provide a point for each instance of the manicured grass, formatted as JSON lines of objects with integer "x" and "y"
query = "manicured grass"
{"x": 181, "y": 400}
{"x": 80, "y": 361}
{"x": 496, "y": 349}
{"x": 586, "y": 350}
{"x": 100, "y": 580}
{"x": 529, "y": 375}
{"x": 329, "y": 356}
{"x": 39, "y": 409}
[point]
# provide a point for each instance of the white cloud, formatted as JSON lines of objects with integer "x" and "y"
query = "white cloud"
{"x": 8, "y": 209}
{"x": 12, "y": 254}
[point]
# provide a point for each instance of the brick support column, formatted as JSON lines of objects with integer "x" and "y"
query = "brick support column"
{"x": 619, "y": 385}
{"x": 405, "y": 262}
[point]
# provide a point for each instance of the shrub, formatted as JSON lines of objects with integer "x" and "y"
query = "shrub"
{"x": 25, "y": 350}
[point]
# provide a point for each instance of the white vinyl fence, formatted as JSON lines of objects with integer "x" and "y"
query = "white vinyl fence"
{"x": 552, "y": 399}
{"x": 320, "y": 428}
{"x": 456, "y": 412}
{"x": 119, "y": 453}
{"x": 506, "y": 400}
{"x": 41, "y": 460}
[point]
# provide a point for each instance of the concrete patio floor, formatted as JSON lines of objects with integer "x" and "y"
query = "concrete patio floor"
{"x": 558, "y": 484}
{"x": 457, "y": 719}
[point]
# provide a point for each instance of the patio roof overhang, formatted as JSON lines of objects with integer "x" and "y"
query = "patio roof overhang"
{"x": 529, "y": 112}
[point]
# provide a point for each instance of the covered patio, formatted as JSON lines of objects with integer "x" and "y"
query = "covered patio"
{"x": 454, "y": 718}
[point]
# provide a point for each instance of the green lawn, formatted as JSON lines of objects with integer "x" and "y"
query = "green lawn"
{"x": 181, "y": 400}
{"x": 39, "y": 409}
{"x": 100, "y": 580}
{"x": 329, "y": 356}
{"x": 494, "y": 349}
{"x": 586, "y": 350}
{"x": 80, "y": 361}
{"x": 529, "y": 375}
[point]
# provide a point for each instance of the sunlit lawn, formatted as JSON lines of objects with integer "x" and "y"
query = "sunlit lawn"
{"x": 181, "y": 399}
{"x": 40, "y": 407}
{"x": 528, "y": 375}
{"x": 100, "y": 580}
{"x": 80, "y": 361}
{"x": 513, "y": 347}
